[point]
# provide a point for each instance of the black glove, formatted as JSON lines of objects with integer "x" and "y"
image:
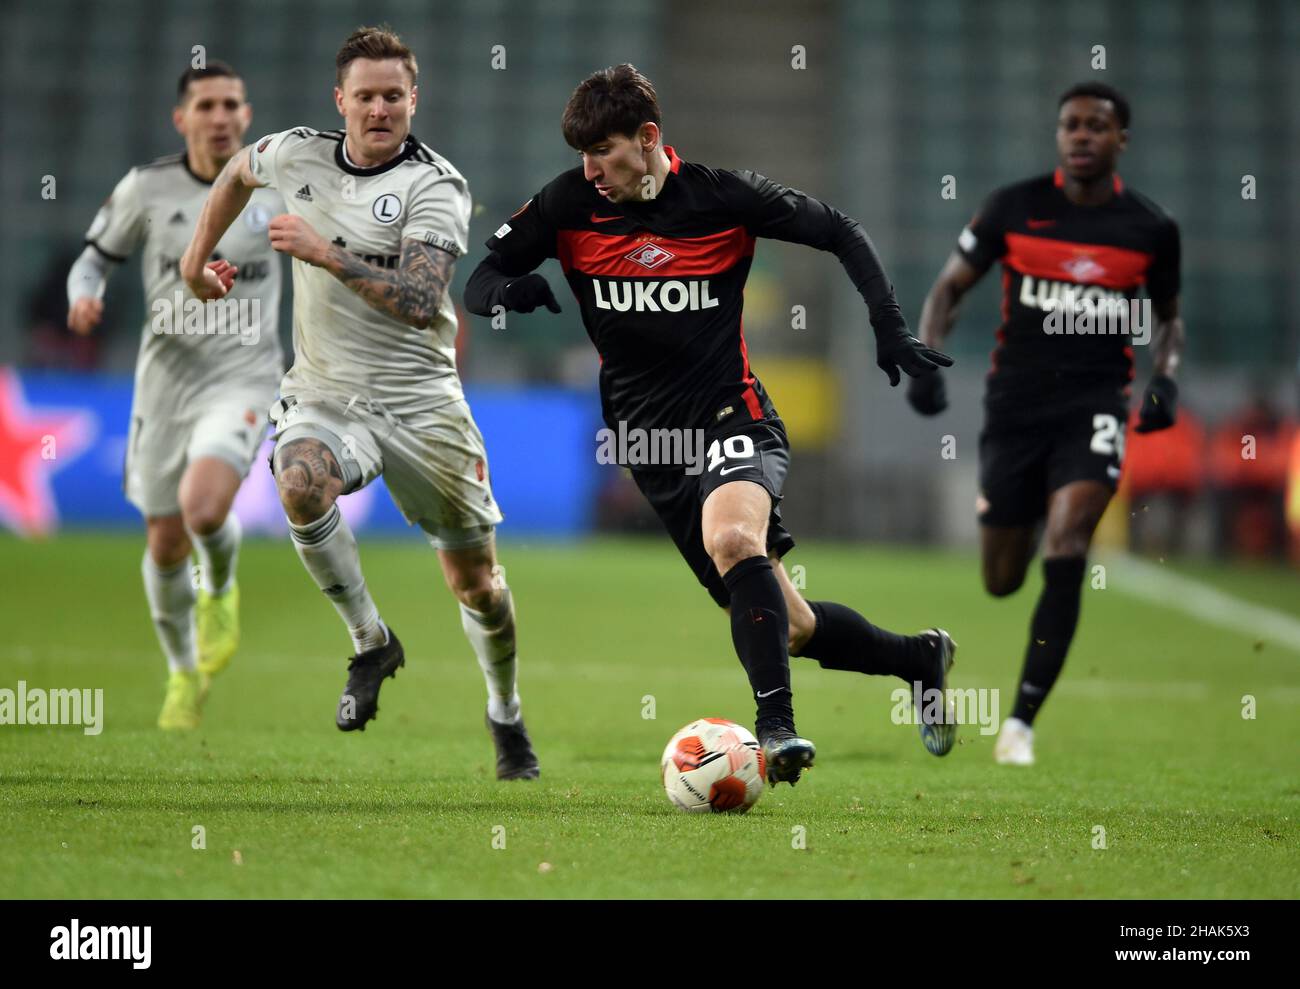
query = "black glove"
{"x": 528, "y": 293}
{"x": 928, "y": 394}
{"x": 1159, "y": 405}
{"x": 899, "y": 349}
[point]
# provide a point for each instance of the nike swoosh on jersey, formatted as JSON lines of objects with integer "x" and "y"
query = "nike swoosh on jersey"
{"x": 603, "y": 219}
{"x": 1039, "y": 224}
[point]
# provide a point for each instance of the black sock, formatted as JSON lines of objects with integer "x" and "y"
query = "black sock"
{"x": 1050, "y": 633}
{"x": 844, "y": 640}
{"x": 760, "y": 630}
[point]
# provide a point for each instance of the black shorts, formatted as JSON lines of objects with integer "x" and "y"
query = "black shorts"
{"x": 1022, "y": 464}
{"x": 744, "y": 451}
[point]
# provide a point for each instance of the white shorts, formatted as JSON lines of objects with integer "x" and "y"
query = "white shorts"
{"x": 434, "y": 464}
{"x": 158, "y": 449}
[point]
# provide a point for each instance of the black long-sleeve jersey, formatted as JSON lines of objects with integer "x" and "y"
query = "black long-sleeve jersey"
{"x": 1055, "y": 253}
{"x": 660, "y": 282}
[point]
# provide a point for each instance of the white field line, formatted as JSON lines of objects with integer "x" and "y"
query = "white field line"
{"x": 1170, "y": 589}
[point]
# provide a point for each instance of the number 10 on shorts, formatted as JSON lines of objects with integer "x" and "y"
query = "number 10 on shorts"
{"x": 738, "y": 447}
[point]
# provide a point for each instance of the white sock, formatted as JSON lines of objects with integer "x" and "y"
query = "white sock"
{"x": 492, "y": 635}
{"x": 328, "y": 550}
{"x": 170, "y": 594}
{"x": 217, "y": 553}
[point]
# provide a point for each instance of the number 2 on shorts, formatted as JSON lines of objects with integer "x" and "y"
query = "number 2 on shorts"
{"x": 1107, "y": 437}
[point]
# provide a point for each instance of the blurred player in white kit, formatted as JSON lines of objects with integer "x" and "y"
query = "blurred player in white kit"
{"x": 203, "y": 380}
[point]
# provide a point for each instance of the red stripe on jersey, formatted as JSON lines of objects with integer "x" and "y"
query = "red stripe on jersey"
{"x": 1083, "y": 264}
{"x": 674, "y": 163}
{"x": 1058, "y": 180}
{"x": 749, "y": 395}
{"x": 596, "y": 253}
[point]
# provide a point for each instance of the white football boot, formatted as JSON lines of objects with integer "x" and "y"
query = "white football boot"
{"x": 1015, "y": 746}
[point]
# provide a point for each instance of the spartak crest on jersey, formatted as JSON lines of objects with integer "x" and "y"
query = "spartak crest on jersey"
{"x": 650, "y": 255}
{"x": 1083, "y": 268}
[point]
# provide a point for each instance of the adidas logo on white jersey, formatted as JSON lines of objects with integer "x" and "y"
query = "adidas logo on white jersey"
{"x": 304, "y": 193}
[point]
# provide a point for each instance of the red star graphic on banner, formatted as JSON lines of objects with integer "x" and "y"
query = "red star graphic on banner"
{"x": 34, "y": 444}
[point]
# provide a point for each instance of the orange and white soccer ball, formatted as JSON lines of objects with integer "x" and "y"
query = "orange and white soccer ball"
{"x": 714, "y": 765}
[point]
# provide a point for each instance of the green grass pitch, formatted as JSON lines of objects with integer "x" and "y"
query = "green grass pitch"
{"x": 1144, "y": 738}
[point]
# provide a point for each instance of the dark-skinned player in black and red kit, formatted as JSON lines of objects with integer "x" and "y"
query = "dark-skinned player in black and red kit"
{"x": 1056, "y": 404}
{"x": 656, "y": 251}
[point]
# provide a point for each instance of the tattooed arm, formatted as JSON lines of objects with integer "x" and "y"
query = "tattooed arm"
{"x": 412, "y": 293}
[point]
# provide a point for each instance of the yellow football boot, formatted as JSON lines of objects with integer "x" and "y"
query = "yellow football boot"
{"x": 217, "y": 622}
{"x": 181, "y": 710}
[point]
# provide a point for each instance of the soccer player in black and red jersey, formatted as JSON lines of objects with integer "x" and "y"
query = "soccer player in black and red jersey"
{"x": 1056, "y": 404}
{"x": 656, "y": 251}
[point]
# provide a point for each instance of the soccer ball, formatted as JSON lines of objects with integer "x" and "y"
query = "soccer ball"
{"x": 713, "y": 765}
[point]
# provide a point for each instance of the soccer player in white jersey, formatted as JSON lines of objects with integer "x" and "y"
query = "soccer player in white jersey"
{"x": 375, "y": 223}
{"x": 203, "y": 380}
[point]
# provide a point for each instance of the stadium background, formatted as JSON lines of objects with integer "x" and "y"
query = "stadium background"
{"x": 1152, "y": 733}
{"x": 893, "y": 96}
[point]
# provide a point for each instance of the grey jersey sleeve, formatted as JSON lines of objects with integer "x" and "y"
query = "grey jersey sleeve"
{"x": 89, "y": 275}
{"x": 119, "y": 226}
{"x": 263, "y": 157}
{"x": 439, "y": 215}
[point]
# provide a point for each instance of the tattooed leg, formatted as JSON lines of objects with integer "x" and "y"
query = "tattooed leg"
{"x": 310, "y": 482}
{"x": 308, "y": 479}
